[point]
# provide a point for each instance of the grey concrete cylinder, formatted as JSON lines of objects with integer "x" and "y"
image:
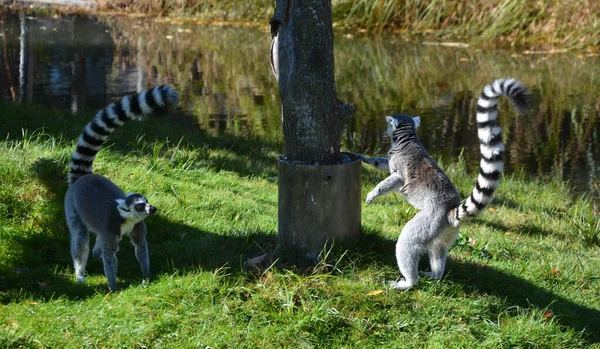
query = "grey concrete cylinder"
{"x": 318, "y": 204}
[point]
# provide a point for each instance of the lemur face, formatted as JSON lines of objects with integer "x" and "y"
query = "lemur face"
{"x": 135, "y": 207}
{"x": 396, "y": 120}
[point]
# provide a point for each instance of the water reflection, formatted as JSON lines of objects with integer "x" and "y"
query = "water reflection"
{"x": 56, "y": 61}
{"x": 225, "y": 80}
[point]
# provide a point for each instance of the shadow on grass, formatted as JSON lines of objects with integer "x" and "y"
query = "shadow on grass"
{"x": 525, "y": 229}
{"x": 43, "y": 253}
{"x": 480, "y": 279}
{"x": 46, "y": 272}
{"x": 525, "y": 294}
{"x": 179, "y": 247}
{"x": 173, "y": 246}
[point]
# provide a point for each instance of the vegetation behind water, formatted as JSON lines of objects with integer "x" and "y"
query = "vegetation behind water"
{"x": 225, "y": 80}
{"x": 533, "y": 25}
{"x": 524, "y": 274}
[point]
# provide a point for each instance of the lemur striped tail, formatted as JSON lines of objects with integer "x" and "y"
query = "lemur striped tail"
{"x": 156, "y": 99}
{"x": 491, "y": 146}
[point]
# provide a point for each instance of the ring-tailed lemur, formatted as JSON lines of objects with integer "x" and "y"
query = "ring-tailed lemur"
{"x": 95, "y": 204}
{"x": 418, "y": 178}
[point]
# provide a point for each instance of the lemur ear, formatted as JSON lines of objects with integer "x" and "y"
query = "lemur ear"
{"x": 417, "y": 120}
{"x": 391, "y": 121}
{"x": 122, "y": 204}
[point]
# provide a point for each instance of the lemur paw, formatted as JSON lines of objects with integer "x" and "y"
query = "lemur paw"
{"x": 370, "y": 198}
{"x": 401, "y": 285}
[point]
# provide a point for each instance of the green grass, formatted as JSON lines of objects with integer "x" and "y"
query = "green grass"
{"x": 524, "y": 274}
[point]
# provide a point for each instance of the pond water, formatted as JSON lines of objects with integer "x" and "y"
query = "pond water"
{"x": 225, "y": 81}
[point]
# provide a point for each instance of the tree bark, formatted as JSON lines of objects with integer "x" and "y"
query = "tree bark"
{"x": 317, "y": 204}
{"x": 303, "y": 63}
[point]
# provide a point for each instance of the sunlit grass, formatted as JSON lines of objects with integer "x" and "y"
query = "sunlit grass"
{"x": 524, "y": 274}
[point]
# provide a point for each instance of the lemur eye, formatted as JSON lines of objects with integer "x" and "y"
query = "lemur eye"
{"x": 140, "y": 207}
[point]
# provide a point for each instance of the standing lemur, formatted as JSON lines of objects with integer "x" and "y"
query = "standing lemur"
{"x": 416, "y": 176}
{"x": 95, "y": 204}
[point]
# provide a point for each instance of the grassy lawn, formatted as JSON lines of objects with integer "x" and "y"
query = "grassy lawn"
{"x": 524, "y": 274}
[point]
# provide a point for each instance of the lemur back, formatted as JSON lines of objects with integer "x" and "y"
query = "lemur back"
{"x": 93, "y": 203}
{"x": 418, "y": 178}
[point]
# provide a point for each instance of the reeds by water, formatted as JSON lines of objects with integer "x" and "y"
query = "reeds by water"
{"x": 551, "y": 24}
{"x": 535, "y": 25}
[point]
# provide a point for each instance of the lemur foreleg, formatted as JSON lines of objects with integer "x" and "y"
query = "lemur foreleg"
{"x": 140, "y": 245}
{"x": 388, "y": 185}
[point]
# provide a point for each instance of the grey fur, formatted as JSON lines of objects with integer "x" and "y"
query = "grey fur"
{"x": 95, "y": 204}
{"x": 102, "y": 217}
{"x": 417, "y": 177}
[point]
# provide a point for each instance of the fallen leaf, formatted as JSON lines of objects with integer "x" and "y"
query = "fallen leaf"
{"x": 548, "y": 314}
{"x": 375, "y": 293}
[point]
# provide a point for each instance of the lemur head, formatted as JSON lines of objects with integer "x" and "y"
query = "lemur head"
{"x": 135, "y": 207}
{"x": 401, "y": 121}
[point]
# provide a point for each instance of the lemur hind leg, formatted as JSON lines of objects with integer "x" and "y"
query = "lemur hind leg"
{"x": 80, "y": 245}
{"x": 414, "y": 240}
{"x": 97, "y": 251}
{"x": 438, "y": 253}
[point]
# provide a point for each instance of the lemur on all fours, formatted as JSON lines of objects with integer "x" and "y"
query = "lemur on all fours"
{"x": 417, "y": 177}
{"x": 93, "y": 203}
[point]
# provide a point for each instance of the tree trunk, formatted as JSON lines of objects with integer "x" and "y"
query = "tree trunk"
{"x": 319, "y": 193}
{"x": 302, "y": 60}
